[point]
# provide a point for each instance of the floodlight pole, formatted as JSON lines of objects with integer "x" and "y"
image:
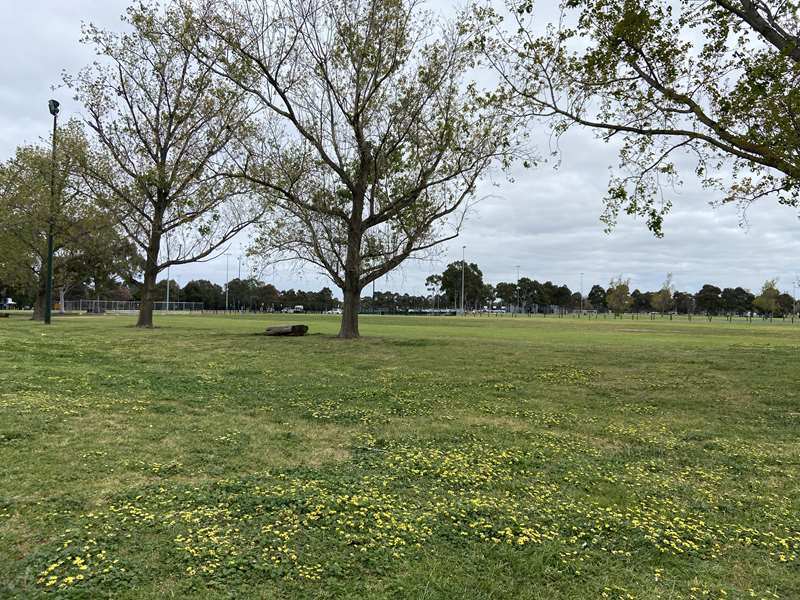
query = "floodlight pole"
{"x": 463, "y": 272}
{"x": 48, "y": 299}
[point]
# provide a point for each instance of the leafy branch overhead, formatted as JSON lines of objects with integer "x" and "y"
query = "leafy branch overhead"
{"x": 713, "y": 82}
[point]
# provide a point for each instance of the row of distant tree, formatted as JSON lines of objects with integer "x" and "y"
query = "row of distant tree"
{"x": 444, "y": 292}
{"x": 251, "y": 295}
{"x": 524, "y": 294}
{"x": 242, "y": 294}
{"x": 530, "y": 295}
{"x": 709, "y": 300}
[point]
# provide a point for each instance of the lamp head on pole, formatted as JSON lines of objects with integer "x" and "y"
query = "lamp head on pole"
{"x": 53, "y": 106}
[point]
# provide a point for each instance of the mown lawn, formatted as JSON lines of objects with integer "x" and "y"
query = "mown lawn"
{"x": 434, "y": 458}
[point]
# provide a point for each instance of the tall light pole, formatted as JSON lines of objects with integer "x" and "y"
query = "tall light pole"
{"x": 517, "y": 310}
{"x": 463, "y": 272}
{"x": 48, "y": 293}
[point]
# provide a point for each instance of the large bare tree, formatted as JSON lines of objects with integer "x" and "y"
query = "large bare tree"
{"x": 163, "y": 125}
{"x": 371, "y": 144}
{"x": 716, "y": 82}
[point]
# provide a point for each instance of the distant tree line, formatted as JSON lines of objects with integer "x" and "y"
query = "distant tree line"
{"x": 530, "y": 295}
{"x": 526, "y": 296}
{"x": 249, "y": 295}
{"x": 252, "y": 295}
{"x": 709, "y": 300}
{"x": 395, "y": 302}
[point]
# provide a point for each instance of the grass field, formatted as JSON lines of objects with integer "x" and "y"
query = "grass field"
{"x": 434, "y": 458}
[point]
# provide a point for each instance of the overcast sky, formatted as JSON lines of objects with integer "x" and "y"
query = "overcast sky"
{"x": 546, "y": 221}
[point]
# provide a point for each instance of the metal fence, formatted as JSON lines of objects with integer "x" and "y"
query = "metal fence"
{"x": 119, "y": 306}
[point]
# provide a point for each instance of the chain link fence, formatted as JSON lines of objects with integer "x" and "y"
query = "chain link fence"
{"x": 120, "y": 306}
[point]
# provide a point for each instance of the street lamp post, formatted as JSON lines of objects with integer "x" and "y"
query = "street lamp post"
{"x": 48, "y": 300}
{"x": 463, "y": 272}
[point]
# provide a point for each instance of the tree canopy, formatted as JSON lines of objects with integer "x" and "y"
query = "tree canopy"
{"x": 662, "y": 300}
{"x": 767, "y": 302}
{"x": 163, "y": 124}
{"x": 87, "y": 248}
{"x": 371, "y": 145}
{"x": 618, "y": 295}
{"x": 716, "y": 82}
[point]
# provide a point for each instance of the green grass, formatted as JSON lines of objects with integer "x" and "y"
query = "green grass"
{"x": 434, "y": 458}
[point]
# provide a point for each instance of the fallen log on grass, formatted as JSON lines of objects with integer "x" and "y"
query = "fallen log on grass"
{"x": 295, "y": 330}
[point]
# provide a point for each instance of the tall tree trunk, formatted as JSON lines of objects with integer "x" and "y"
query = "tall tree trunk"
{"x": 38, "y": 305}
{"x": 148, "y": 298}
{"x": 352, "y": 286}
{"x": 350, "y": 308}
{"x": 150, "y": 274}
{"x": 40, "y": 300}
{"x": 61, "y": 296}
